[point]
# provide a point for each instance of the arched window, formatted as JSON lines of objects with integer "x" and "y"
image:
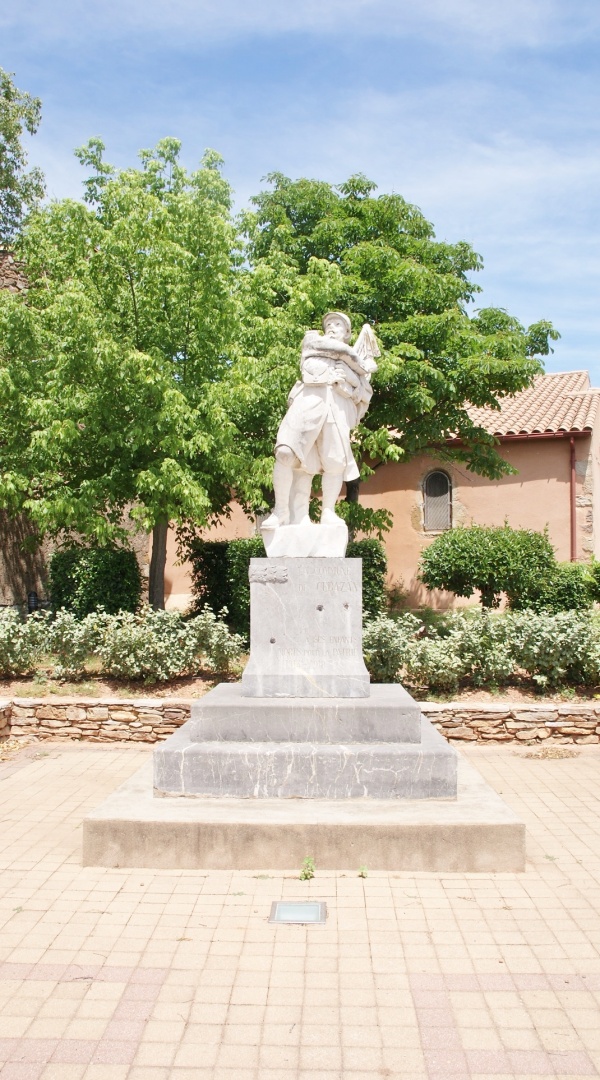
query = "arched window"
{"x": 437, "y": 498}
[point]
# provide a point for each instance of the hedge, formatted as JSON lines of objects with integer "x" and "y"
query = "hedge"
{"x": 83, "y": 580}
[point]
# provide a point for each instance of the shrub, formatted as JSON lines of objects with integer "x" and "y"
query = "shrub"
{"x": 210, "y": 585}
{"x": 158, "y": 645}
{"x": 22, "y": 642}
{"x": 239, "y": 553}
{"x": 569, "y": 586}
{"x": 220, "y": 577}
{"x": 554, "y": 648}
{"x": 386, "y": 644}
{"x": 492, "y": 560}
{"x": 436, "y": 662}
{"x": 483, "y": 645}
{"x": 594, "y": 572}
{"x": 213, "y": 640}
{"x": 374, "y": 571}
{"x": 83, "y": 580}
{"x": 71, "y": 641}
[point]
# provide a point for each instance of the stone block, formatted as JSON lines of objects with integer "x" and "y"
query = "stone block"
{"x": 474, "y": 833}
{"x": 305, "y": 629}
{"x": 50, "y": 712}
{"x": 293, "y": 770}
{"x": 390, "y": 714}
{"x": 75, "y": 714}
{"x": 306, "y": 541}
{"x": 540, "y": 717}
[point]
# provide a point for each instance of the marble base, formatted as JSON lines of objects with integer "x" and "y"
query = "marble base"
{"x": 305, "y": 629}
{"x": 389, "y": 714}
{"x": 306, "y": 541}
{"x": 297, "y": 770}
{"x": 474, "y": 833}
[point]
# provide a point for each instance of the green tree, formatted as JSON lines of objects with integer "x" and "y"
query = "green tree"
{"x": 377, "y": 258}
{"x": 19, "y": 189}
{"x": 110, "y": 368}
{"x": 491, "y": 559}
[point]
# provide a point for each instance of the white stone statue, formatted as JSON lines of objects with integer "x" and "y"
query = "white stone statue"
{"x": 324, "y": 406}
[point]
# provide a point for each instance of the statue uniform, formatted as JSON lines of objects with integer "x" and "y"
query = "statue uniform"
{"x": 322, "y": 413}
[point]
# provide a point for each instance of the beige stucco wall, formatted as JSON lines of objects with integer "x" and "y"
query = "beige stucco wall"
{"x": 178, "y": 580}
{"x": 538, "y": 495}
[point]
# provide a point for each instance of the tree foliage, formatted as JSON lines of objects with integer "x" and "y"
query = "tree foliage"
{"x": 312, "y": 246}
{"x": 19, "y": 188}
{"x": 109, "y": 368}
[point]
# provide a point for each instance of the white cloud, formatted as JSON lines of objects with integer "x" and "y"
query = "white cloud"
{"x": 497, "y": 23}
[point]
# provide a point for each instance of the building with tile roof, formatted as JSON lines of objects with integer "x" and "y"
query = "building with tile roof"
{"x": 550, "y": 434}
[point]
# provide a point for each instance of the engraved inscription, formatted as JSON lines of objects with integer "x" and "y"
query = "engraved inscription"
{"x": 269, "y": 575}
{"x": 337, "y": 586}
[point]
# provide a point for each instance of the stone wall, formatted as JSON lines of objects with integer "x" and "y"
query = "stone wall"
{"x": 5, "y": 713}
{"x": 488, "y": 722}
{"x": 153, "y": 719}
{"x": 99, "y": 720}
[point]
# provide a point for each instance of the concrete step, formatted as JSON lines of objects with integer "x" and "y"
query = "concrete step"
{"x": 475, "y": 833}
{"x": 389, "y": 714}
{"x": 294, "y": 770}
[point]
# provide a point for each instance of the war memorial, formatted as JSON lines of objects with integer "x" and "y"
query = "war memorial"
{"x": 304, "y": 756}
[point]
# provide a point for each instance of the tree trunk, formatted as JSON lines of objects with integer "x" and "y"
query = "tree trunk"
{"x": 156, "y": 581}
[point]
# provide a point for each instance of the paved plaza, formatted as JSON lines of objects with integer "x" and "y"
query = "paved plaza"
{"x": 149, "y": 975}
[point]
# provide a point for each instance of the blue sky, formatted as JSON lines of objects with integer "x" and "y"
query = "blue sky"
{"x": 485, "y": 113}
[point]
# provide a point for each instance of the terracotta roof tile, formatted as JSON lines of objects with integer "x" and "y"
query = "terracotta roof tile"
{"x": 564, "y": 401}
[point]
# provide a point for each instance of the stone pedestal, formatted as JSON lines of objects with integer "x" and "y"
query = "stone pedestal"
{"x": 247, "y": 748}
{"x": 305, "y": 756}
{"x": 305, "y": 629}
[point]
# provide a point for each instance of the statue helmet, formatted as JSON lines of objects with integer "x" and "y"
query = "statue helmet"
{"x": 338, "y": 315}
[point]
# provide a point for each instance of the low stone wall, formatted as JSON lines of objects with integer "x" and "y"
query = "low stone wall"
{"x": 153, "y": 719}
{"x": 479, "y": 722}
{"x": 5, "y": 714}
{"x": 99, "y": 720}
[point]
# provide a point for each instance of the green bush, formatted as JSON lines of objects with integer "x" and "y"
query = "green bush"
{"x": 569, "y": 586}
{"x": 83, "y": 580}
{"x": 553, "y": 649}
{"x": 22, "y": 642}
{"x": 374, "y": 571}
{"x": 239, "y": 553}
{"x": 220, "y": 577}
{"x": 594, "y": 572}
{"x": 386, "y": 644}
{"x": 71, "y": 641}
{"x": 492, "y": 560}
{"x": 483, "y": 645}
{"x": 158, "y": 645}
{"x": 485, "y": 649}
{"x": 210, "y": 585}
{"x": 436, "y": 662}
